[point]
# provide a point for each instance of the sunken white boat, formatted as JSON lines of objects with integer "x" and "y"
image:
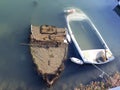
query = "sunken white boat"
{"x": 90, "y": 46}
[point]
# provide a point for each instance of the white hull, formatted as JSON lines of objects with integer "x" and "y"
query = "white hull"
{"x": 91, "y": 56}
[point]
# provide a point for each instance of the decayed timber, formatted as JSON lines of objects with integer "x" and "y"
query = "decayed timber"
{"x": 48, "y": 51}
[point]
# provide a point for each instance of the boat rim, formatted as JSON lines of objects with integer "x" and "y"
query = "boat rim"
{"x": 79, "y": 16}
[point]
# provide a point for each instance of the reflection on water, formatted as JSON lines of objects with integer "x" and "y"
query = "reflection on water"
{"x": 16, "y": 66}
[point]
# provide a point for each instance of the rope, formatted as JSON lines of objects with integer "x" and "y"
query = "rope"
{"x": 103, "y": 72}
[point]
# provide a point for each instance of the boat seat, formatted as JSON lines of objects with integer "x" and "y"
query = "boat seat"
{"x": 97, "y": 55}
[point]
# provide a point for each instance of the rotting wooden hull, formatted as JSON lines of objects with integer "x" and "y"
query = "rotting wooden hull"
{"x": 49, "y": 53}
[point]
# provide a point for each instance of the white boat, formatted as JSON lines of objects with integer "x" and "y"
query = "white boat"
{"x": 87, "y": 40}
{"x": 115, "y": 88}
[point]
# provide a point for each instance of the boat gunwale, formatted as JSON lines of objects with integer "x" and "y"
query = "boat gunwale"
{"x": 79, "y": 17}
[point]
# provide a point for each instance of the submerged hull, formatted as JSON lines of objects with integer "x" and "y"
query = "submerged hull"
{"x": 49, "y": 51}
{"x": 86, "y": 38}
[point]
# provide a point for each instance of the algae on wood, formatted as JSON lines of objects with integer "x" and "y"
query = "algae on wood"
{"x": 48, "y": 49}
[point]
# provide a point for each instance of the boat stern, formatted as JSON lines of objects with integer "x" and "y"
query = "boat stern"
{"x": 98, "y": 56}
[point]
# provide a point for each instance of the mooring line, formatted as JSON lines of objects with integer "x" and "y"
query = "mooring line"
{"x": 103, "y": 72}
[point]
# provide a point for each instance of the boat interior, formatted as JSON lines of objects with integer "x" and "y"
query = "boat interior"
{"x": 96, "y": 55}
{"x": 92, "y": 47}
{"x": 85, "y": 35}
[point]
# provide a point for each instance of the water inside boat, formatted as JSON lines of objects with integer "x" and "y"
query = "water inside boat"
{"x": 85, "y": 35}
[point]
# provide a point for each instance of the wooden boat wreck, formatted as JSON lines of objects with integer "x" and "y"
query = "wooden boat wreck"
{"x": 49, "y": 50}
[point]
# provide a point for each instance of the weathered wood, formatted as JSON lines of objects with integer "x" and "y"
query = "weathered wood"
{"x": 48, "y": 51}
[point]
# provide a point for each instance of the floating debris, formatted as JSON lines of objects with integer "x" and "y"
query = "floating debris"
{"x": 48, "y": 50}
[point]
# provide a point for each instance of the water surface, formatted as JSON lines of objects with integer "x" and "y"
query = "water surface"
{"x": 85, "y": 35}
{"x": 16, "y": 67}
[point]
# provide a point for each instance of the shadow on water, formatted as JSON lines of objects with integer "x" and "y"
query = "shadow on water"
{"x": 117, "y": 10}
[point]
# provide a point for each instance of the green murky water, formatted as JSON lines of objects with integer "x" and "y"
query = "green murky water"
{"x": 16, "y": 67}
